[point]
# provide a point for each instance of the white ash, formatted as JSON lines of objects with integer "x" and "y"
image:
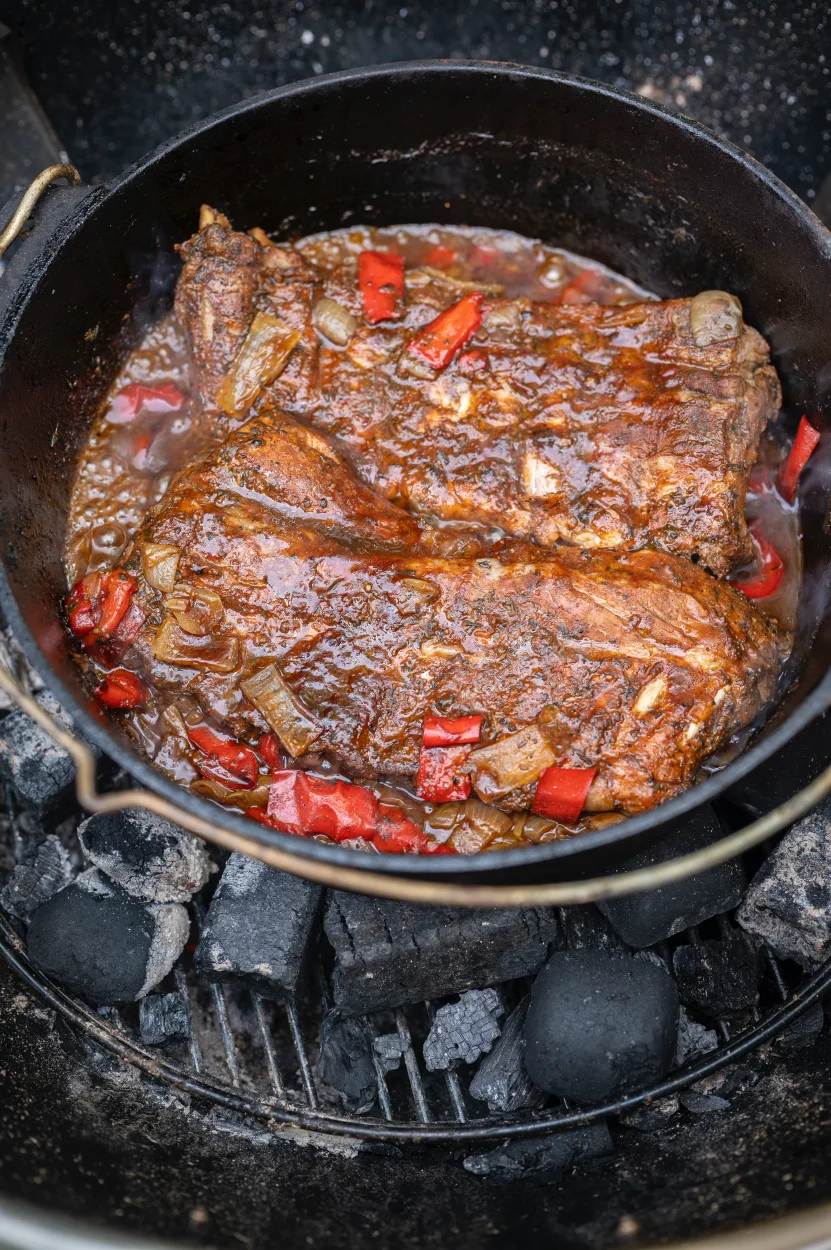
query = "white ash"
{"x": 169, "y": 938}
{"x": 15, "y": 663}
{"x": 149, "y": 857}
{"x": 788, "y": 904}
{"x": 463, "y": 1031}
{"x": 694, "y": 1039}
{"x": 44, "y": 871}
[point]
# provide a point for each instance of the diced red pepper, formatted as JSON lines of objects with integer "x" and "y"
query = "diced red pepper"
{"x": 438, "y": 342}
{"x": 260, "y": 814}
{"x": 227, "y": 761}
{"x": 304, "y": 804}
{"x": 97, "y": 603}
{"x": 439, "y": 731}
{"x": 768, "y": 577}
{"x": 561, "y": 793}
{"x": 396, "y": 833}
{"x": 587, "y": 288}
{"x": 381, "y": 279}
{"x": 440, "y": 777}
{"x": 804, "y": 446}
{"x": 121, "y": 689}
{"x": 130, "y": 401}
{"x": 440, "y": 257}
{"x": 474, "y": 361}
{"x": 271, "y": 752}
{"x": 440, "y": 848}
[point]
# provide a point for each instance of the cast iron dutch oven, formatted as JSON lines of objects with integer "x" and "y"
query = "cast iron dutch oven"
{"x": 576, "y": 163}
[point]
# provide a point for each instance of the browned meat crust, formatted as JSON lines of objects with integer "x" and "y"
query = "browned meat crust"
{"x": 614, "y": 427}
{"x": 638, "y": 662}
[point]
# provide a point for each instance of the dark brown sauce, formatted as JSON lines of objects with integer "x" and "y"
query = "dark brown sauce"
{"x": 126, "y": 468}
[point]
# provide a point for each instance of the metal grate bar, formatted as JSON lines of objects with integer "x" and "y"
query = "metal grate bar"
{"x": 193, "y": 1041}
{"x": 11, "y": 808}
{"x": 781, "y": 987}
{"x": 383, "y": 1089}
{"x": 225, "y": 1033}
{"x": 412, "y": 1067}
{"x": 451, "y": 1080}
{"x": 268, "y": 1046}
{"x": 302, "y": 1057}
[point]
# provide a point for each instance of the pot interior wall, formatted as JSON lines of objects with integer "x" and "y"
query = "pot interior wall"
{"x": 571, "y": 163}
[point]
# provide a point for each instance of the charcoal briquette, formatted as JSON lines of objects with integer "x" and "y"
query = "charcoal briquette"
{"x": 543, "y": 1160}
{"x": 501, "y": 1079}
{"x": 150, "y": 857}
{"x": 259, "y": 928}
{"x": 345, "y": 1062}
{"x": 650, "y": 916}
{"x": 163, "y": 1016}
{"x": 463, "y": 1031}
{"x": 804, "y": 1030}
{"x": 600, "y": 1024}
{"x": 584, "y": 928}
{"x": 97, "y": 940}
{"x": 719, "y": 976}
{"x": 46, "y": 869}
{"x": 41, "y": 772}
{"x": 388, "y": 954}
{"x": 788, "y": 904}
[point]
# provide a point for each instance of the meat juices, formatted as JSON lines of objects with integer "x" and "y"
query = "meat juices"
{"x": 608, "y": 442}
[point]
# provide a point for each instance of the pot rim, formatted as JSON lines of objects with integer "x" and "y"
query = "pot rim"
{"x": 441, "y": 867}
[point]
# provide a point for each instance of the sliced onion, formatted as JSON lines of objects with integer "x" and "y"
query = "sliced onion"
{"x": 510, "y": 763}
{"x": 260, "y": 360}
{"x": 258, "y": 797}
{"x": 160, "y": 562}
{"x": 480, "y": 824}
{"x": 286, "y": 715}
{"x": 539, "y": 829}
{"x": 214, "y": 655}
{"x": 197, "y": 609}
{"x": 332, "y": 320}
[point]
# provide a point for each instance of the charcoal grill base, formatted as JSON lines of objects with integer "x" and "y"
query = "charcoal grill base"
{"x": 82, "y": 1132}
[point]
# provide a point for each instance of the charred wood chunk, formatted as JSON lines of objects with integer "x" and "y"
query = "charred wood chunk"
{"x": 719, "y": 976}
{"x": 162, "y": 1016}
{"x": 98, "y": 941}
{"x": 40, "y": 771}
{"x": 259, "y": 928}
{"x": 651, "y": 916}
{"x": 150, "y": 857}
{"x": 652, "y": 1117}
{"x": 463, "y": 1031}
{"x": 694, "y": 1040}
{"x": 788, "y": 904}
{"x": 542, "y": 1159}
{"x": 388, "y": 954}
{"x": 584, "y": 928}
{"x": 46, "y": 869}
{"x": 346, "y": 1063}
{"x": 501, "y": 1079}
{"x": 389, "y": 1051}
{"x": 600, "y": 1024}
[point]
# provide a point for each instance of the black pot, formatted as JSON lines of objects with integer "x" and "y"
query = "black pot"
{"x": 579, "y": 164}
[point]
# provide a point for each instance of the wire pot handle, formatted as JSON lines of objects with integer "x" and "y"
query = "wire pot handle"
{"x": 446, "y": 894}
{"x": 30, "y": 198}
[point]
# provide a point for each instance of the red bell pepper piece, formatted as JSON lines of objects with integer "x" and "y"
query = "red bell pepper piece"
{"x": 474, "y": 361}
{"x": 97, "y": 603}
{"x": 396, "y": 833}
{"x": 439, "y": 731}
{"x": 440, "y": 257}
{"x": 439, "y": 341}
{"x": 768, "y": 577}
{"x": 440, "y": 778}
{"x": 129, "y": 402}
{"x": 271, "y": 752}
{"x": 584, "y": 289}
{"x": 121, "y": 689}
{"x": 381, "y": 279}
{"x": 439, "y": 848}
{"x": 307, "y": 805}
{"x": 260, "y": 814}
{"x": 804, "y": 446}
{"x": 227, "y": 761}
{"x": 561, "y": 793}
